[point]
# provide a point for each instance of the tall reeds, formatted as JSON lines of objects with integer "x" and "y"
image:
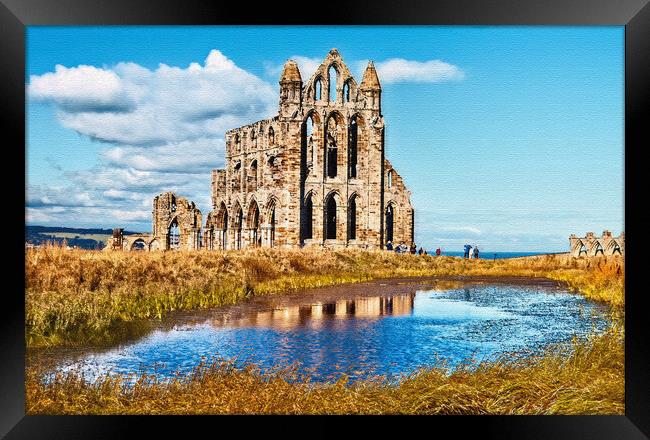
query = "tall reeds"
{"x": 86, "y": 297}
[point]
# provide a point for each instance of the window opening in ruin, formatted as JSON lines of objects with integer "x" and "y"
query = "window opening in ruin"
{"x": 332, "y": 79}
{"x": 389, "y": 223}
{"x": 254, "y": 223}
{"x": 307, "y": 219}
{"x": 318, "y": 90}
{"x": 352, "y": 148}
{"x": 390, "y": 179}
{"x": 138, "y": 245}
{"x": 237, "y": 143}
{"x": 332, "y": 147}
{"x": 352, "y": 218}
{"x": 271, "y": 136}
{"x": 174, "y": 235}
{"x": 599, "y": 248}
{"x": 253, "y": 139}
{"x": 238, "y": 226}
{"x": 583, "y": 248}
{"x": 346, "y": 91}
{"x": 173, "y": 204}
{"x": 272, "y": 228}
{"x": 330, "y": 219}
{"x": 307, "y": 143}
{"x": 252, "y": 178}
{"x": 222, "y": 224}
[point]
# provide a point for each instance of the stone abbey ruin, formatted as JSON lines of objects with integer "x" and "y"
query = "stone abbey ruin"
{"x": 592, "y": 246}
{"x": 313, "y": 175}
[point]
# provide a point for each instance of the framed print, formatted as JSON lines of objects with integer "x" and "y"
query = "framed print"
{"x": 378, "y": 210}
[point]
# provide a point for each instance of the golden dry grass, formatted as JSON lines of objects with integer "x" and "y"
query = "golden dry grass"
{"x": 585, "y": 379}
{"x": 80, "y": 297}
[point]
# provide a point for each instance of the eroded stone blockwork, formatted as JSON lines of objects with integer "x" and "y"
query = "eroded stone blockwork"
{"x": 314, "y": 174}
{"x": 176, "y": 224}
{"x": 591, "y": 246}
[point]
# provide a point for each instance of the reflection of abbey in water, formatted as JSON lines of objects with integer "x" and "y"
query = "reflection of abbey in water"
{"x": 315, "y": 174}
{"x": 315, "y": 314}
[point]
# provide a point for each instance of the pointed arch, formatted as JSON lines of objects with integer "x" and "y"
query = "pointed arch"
{"x": 346, "y": 91}
{"x": 334, "y": 132}
{"x": 330, "y": 216}
{"x": 173, "y": 234}
{"x": 252, "y": 176}
{"x": 253, "y": 141}
{"x": 352, "y": 217}
{"x": 237, "y": 143}
{"x": 318, "y": 89}
{"x": 309, "y": 141}
{"x": 354, "y": 131}
{"x": 596, "y": 247}
{"x": 307, "y": 218}
{"x": 237, "y": 222}
{"x": 271, "y": 219}
{"x": 389, "y": 223}
{"x": 271, "y": 136}
{"x": 221, "y": 224}
{"x": 332, "y": 83}
{"x": 253, "y": 223}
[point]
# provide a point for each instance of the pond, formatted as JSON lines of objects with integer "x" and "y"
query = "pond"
{"x": 386, "y": 328}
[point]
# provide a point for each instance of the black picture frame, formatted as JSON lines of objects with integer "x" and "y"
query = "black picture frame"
{"x": 15, "y": 15}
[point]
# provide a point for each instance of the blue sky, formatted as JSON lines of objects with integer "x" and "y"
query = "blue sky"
{"x": 508, "y": 137}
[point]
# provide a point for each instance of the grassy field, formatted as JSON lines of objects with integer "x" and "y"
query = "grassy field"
{"x": 82, "y": 296}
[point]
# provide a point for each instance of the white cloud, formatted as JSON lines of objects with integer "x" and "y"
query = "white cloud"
{"x": 129, "y": 104}
{"x": 164, "y": 129}
{"x": 393, "y": 70}
{"x": 80, "y": 88}
{"x": 396, "y": 70}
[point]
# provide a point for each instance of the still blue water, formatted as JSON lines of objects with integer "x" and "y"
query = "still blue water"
{"x": 369, "y": 330}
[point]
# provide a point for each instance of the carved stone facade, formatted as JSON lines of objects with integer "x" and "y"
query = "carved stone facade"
{"x": 313, "y": 175}
{"x": 591, "y": 246}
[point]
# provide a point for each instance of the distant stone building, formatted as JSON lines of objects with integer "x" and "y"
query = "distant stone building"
{"x": 176, "y": 224}
{"x": 591, "y": 246}
{"x": 313, "y": 175}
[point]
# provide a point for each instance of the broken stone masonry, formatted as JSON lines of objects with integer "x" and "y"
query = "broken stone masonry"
{"x": 315, "y": 174}
{"x": 591, "y": 246}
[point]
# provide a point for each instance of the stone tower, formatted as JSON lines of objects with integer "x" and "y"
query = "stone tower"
{"x": 314, "y": 174}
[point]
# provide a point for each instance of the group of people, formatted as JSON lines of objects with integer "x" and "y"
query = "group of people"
{"x": 471, "y": 252}
{"x": 402, "y": 248}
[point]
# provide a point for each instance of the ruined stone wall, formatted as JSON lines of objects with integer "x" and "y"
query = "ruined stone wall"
{"x": 169, "y": 211}
{"x": 314, "y": 174}
{"x": 590, "y": 245}
{"x": 397, "y": 198}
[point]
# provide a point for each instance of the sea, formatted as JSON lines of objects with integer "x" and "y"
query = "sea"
{"x": 491, "y": 255}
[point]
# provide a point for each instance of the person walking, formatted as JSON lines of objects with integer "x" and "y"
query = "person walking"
{"x": 469, "y": 251}
{"x": 467, "y": 248}
{"x": 421, "y": 251}
{"x": 389, "y": 246}
{"x": 476, "y": 252}
{"x": 414, "y": 249}
{"x": 438, "y": 252}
